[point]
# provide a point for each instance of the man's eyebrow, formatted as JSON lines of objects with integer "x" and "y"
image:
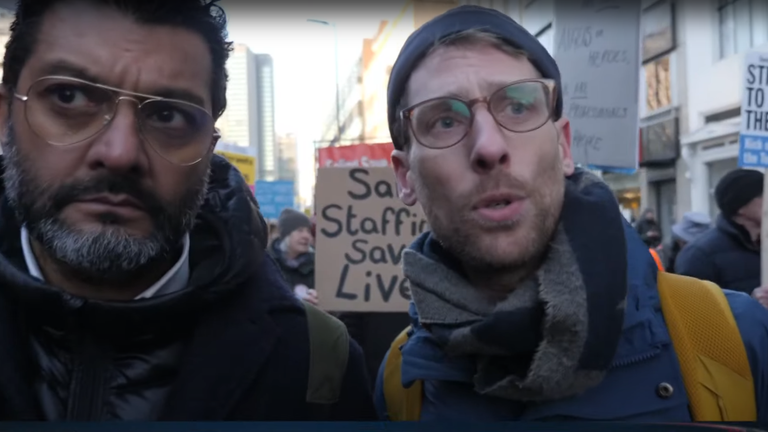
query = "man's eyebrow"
{"x": 487, "y": 87}
{"x": 179, "y": 94}
{"x": 65, "y": 68}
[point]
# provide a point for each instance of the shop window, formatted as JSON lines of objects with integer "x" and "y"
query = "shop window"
{"x": 659, "y": 142}
{"x": 723, "y": 115}
{"x": 658, "y": 30}
{"x": 658, "y": 85}
{"x": 743, "y": 24}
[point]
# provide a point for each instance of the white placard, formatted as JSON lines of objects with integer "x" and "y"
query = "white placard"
{"x": 753, "y": 136}
{"x": 597, "y": 47}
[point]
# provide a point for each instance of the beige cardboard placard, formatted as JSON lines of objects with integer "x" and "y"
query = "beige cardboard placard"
{"x": 362, "y": 230}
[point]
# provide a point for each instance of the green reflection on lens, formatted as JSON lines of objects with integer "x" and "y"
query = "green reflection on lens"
{"x": 460, "y": 107}
{"x": 524, "y": 94}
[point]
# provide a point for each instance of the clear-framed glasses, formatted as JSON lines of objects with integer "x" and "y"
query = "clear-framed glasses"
{"x": 522, "y": 106}
{"x": 65, "y": 111}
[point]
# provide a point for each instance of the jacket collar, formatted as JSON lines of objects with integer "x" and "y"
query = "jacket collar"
{"x": 228, "y": 237}
{"x": 736, "y": 232}
{"x": 233, "y": 290}
{"x": 643, "y": 330}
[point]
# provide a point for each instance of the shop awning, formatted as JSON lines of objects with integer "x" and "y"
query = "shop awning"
{"x": 712, "y": 131}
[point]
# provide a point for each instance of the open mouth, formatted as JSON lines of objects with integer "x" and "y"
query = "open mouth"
{"x": 498, "y": 204}
{"x": 496, "y": 201}
{"x": 499, "y": 207}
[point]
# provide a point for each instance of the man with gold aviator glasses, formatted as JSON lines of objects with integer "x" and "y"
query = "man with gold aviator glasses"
{"x": 64, "y": 111}
{"x": 134, "y": 283}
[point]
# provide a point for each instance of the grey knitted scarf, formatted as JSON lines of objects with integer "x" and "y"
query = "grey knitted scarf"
{"x": 556, "y": 334}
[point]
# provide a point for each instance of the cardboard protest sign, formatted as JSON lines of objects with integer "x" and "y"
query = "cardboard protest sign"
{"x": 598, "y": 52}
{"x": 362, "y": 231}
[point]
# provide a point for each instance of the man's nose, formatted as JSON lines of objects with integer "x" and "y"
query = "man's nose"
{"x": 119, "y": 147}
{"x": 490, "y": 149}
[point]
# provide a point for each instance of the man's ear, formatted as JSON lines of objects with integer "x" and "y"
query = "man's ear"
{"x": 402, "y": 166}
{"x": 214, "y": 139}
{"x": 563, "y": 126}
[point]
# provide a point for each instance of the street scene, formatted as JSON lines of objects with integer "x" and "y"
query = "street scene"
{"x": 406, "y": 211}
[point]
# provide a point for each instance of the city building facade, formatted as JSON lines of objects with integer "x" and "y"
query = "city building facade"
{"x": 239, "y": 122}
{"x": 364, "y": 93}
{"x": 287, "y": 147}
{"x": 717, "y": 38}
{"x": 249, "y": 120}
{"x": 265, "y": 123}
{"x": 344, "y": 125}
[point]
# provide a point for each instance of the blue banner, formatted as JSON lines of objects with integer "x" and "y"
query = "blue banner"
{"x": 274, "y": 196}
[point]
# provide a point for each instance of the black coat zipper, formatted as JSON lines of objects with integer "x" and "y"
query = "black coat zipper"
{"x": 86, "y": 397}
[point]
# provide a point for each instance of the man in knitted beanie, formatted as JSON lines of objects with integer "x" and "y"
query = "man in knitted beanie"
{"x": 294, "y": 254}
{"x": 729, "y": 253}
{"x": 532, "y": 298}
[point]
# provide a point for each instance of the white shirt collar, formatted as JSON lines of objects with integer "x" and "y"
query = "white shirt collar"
{"x": 175, "y": 279}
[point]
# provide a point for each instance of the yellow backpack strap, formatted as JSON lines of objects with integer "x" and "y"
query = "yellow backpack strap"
{"x": 403, "y": 404}
{"x": 712, "y": 357}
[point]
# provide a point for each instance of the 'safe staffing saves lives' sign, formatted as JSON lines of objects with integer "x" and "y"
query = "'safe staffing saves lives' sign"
{"x": 362, "y": 230}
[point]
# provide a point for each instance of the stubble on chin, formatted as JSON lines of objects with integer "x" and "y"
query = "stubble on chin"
{"x": 500, "y": 247}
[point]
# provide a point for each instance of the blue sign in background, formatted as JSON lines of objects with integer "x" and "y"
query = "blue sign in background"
{"x": 753, "y": 151}
{"x": 274, "y": 196}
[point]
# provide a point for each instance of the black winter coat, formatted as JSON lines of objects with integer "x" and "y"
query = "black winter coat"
{"x": 724, "y": 255}
{"x": 231, "y": 346}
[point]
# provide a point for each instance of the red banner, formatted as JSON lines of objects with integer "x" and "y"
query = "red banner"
{"x": 358, "y": 155}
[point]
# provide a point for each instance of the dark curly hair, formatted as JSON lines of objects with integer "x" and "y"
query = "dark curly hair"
{"x": 204, "y": 17}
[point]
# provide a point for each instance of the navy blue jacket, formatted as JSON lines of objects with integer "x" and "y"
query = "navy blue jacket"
{"x": 724, "y": 255}
{"x": 645, "y": 358}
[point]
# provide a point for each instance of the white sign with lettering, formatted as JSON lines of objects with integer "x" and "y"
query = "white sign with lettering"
{"x": 753, "y": 139}
{"x": 597, "y": 47}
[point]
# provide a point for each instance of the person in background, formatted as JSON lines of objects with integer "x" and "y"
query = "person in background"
{"x": 729, "y": 253}
{"x": 134, "y": 279}
{"x": 693, "y": 225}
{"x": 292, "y": 250}
{"x": 649, "y": 229}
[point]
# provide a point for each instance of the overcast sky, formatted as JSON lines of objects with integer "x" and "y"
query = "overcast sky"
{"x": 303, "y": 55}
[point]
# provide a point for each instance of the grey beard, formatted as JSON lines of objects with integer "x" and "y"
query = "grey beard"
{"x": 107, "y": 255}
